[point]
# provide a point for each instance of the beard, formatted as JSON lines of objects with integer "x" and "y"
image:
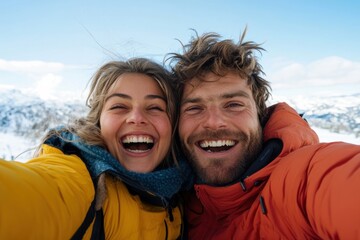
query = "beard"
{"x": 219, "y": 171}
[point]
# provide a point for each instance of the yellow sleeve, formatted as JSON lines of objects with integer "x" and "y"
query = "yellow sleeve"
{"x": 45, "y": 198}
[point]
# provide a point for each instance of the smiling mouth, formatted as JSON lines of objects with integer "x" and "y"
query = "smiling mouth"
{"x": 216, "y": 145}
{"x": 137, "y": 143}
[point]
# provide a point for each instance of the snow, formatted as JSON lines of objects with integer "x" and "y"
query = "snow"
{"x": 17, "y": 148}
{"x": 327, "y": 136}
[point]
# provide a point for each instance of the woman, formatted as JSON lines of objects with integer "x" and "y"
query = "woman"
{"x": 122, "y": 147}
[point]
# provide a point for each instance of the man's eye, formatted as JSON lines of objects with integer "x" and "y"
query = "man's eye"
{"x": 234, "y": 105}
{"x": 193, "y": 109}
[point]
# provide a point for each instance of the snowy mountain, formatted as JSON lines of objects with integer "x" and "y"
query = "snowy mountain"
{"x": 31, "y": 117}
{"x": 24, "y": 119}
{"x": 338, "y": 114}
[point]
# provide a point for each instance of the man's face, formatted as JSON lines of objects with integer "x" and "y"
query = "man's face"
{"x": 219, "y": 127}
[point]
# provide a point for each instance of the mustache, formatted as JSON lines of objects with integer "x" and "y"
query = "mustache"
{"x": 218, "y": 134}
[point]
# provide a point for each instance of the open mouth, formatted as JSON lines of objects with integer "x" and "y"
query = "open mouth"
{"x": 137, "y": 143}
{"x": 216, "y": 145}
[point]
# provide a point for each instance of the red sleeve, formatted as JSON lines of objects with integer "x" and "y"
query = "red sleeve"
{"x": 333, "y": 191}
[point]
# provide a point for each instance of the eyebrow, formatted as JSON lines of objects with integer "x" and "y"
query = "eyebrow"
{"x": 121, "y": 95}
{"x": 224, "y": 96}
{"x": 236, "y": 94}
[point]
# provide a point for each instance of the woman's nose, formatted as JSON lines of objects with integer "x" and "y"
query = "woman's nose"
{"x": 136, "y": 116}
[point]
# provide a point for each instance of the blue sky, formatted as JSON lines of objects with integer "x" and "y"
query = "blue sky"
{"x": 54, "y": 47}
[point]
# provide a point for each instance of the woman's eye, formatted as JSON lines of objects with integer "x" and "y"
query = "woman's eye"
{"x": 157, "y": 108}
{"x": 117, "y": 106}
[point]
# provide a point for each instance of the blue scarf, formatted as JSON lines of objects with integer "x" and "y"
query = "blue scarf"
{"x": 163, "y": 183}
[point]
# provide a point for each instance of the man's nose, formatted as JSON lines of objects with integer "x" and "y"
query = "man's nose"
{"x": 136, "y": 116}
{"x": 214, "y": 119}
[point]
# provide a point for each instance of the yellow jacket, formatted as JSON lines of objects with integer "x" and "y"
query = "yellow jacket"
{"x": 49, "y": 196}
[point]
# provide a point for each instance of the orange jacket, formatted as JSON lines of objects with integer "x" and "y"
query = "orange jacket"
{"x": 309, "y": 191}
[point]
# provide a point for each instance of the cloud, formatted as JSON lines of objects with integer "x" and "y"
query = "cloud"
{"x": 31, "y": 67}
{"x": 48, "y": 82}
{"x": 44, "y": 77}
{"x": 46, "y": 87}
{"x": 6, "y": 86}
{"x": 328, "y": 71}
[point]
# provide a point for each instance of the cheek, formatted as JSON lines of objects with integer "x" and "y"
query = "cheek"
{"x": 248, "y": 123}
{"x": 184, "y": 128}
{"x": 107, "y": 126}
{"x": 165, "y": 130}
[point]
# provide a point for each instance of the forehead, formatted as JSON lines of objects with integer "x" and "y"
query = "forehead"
{"x": 211, "y": 85}
{"x": 135, "y": 83}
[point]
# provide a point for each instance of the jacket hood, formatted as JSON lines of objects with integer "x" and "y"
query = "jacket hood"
{"x": 286, "y": 124}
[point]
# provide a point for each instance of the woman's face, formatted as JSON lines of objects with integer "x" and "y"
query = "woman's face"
{"x": 134, "y": 123}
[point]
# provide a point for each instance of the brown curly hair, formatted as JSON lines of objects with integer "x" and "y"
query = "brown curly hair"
{"x": 208, "y": 53}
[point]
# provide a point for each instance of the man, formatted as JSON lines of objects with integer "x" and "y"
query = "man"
{"x": 261, "y": 172}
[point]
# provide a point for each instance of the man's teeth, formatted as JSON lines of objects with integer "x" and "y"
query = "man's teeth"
{"x": 137, "y": 139}
{"x": 218, "y": 143}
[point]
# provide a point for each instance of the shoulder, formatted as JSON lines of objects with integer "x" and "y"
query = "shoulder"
{"x": 53, "y": 157}
{"x": 314, "y": 158}
{"x": 313, "y": 184}
{"x": 315, "y": 171}
{"x": 310, "y": 168}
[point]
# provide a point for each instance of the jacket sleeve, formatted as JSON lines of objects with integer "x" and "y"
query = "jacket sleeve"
{"x": 333, "y": 191}
{"x": 45, "y": 198}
